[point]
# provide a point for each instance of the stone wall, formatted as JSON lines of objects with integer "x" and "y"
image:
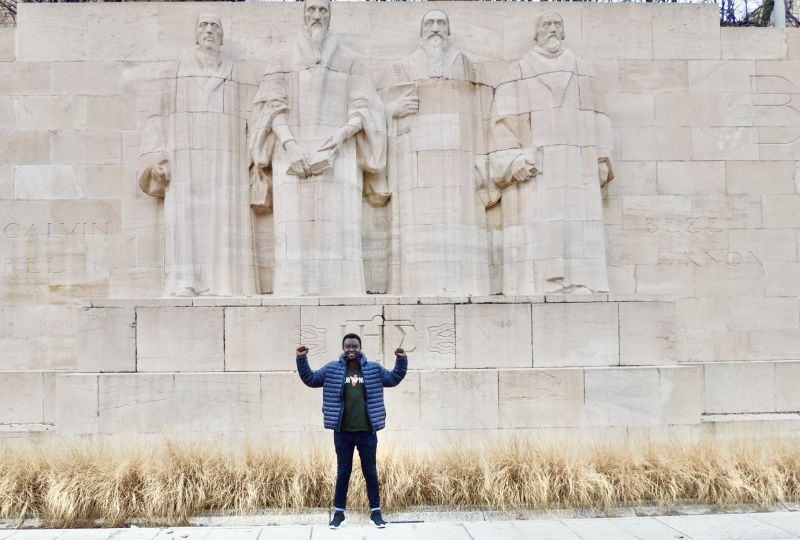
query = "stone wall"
{"x": 705, "y": 207}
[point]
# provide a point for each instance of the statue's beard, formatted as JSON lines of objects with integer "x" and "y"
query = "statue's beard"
{"x": 316, "y": 35}
{"x": 551, "y": 44}
{"x": 209, "y": 53}
{"x": 436, "y": 47}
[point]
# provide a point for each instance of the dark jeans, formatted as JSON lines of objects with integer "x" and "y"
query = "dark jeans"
{"x": 367, "y": 444}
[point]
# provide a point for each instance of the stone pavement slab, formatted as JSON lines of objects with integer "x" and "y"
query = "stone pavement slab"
{"x": 744, "y": 526}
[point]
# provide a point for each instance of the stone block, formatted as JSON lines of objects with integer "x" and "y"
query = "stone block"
{"x": 137, "y": 403}
{"x": 654, "y": 76}
{"x": 717, "y": 76}
{"x": 24, "y": 147}
{"x": 669, "y": 143}
{"x": 676, "y": 278}
{"x": 7, "y": 40}
{"x": 621, "y": 278}
{"x": 691, "y": 177}
{"x": 261, "y": 338}
{"x": 703, "y": 313}
{"x": 730, "y": 345}
{"x": 21, "y": 397}
{"x": 689, "y": 109}
{"x": 681, "y": 393}
{"x": 110, "y": 112}
{"x": 50, "y": 112}
{"x": 323, "y": 327}
{"x": 633, "y": 33}
{"x": 493, "y": 335}
{"x": 217, "y": 402}
{"x": 6, "y": 113}
{"x": 403, "y": 403}
{"x": 104, "y": 181}
{"x": 787, "y": 381}
{"x": 459, "y": 399}
{"x": 288, "y": 405}
{"x": 731, "y": 212}
{"x": 729, "y": 278}
{"x": 179, "y": 339}
{"x": 24, "y": 78}
{"x": 38, "y": 353}
{"x": 44, "y": 321}
{"x": 631, "y": 246}
{"x": 102, "y": 217}
{"x": 647, "y": 333}
{"x": 739, "y": 387}
{"x": 631, "y": 109}
{"x": 109, "y": 36}
{"x": 748, "y": 43}
{"x": 87, "y": 78}
{"x": 48, "y": 182}
{"x": 780, "y": 279}
{"x": 100, "y": 147}
{"x": 696, "y": 241}
{"x": 77, "y": 404}
{"x": 689, "y": 31}
{"x": 760, "y": 177}
{"x": 655, "y": 213}
{"x": 541, "y": 398}
{"x": 575, "y": 335}
{"x": 781, "y": 344}
{"x": 622, "y": 396}
{"x": 766, "y": 245}
{"x": 427, "y": 333}
{"x": 724, "y": 143}
{"x": 64, "y": 28}
{"x": 765, "y": 313}
{"x": 633, "y": 178}
{"x": 781, "y": 211}
{"x": 107, "y": 340}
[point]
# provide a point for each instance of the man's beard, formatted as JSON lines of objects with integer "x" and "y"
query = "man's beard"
{"x": 436, "y": 47}
{"x": 551, "y": 45}
{"x": 316, "y": 35}
{"x": 209, "y": 53}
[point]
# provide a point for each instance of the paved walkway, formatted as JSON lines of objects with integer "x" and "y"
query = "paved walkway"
{"x": 749, "y": 526}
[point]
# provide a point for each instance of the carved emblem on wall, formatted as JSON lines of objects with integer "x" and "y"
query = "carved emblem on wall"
{"x": 442, "y": 338}
{"x": 313, "y": 337}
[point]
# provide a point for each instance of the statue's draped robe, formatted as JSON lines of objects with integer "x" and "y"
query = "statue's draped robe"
{"x": 201, "y": 129}
{"x": 438, "y": 222}
{"x": 553, "y": 238}
{"x": 317, "y": 220}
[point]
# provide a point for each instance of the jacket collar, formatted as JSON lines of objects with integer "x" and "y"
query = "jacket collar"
{"x": 363, "y": 359}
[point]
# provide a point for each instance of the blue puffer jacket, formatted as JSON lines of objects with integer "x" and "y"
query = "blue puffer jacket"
{"x": 331, "y": 378}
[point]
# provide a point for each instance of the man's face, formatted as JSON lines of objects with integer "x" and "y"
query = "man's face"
{"x": 351, "y": 348}
{"x": 550, "y": 27}
{"x": 208, "y": 32}
{"x": 317, "y": 15}
{"x": 435, "y": 27}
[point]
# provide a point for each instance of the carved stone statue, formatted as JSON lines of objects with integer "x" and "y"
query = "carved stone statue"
{"x": 320, "y": 125}
{"x": 436, "y": 136}
{"x": 551, "y": 145}
{"x": 194, "y": 156}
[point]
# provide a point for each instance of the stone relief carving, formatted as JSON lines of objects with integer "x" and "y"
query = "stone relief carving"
{"x": 551, "y": 144}
{"x": 194, "y": 157}
{"x": 436, "y": 136}
{"x": 318, "y": 138}
{"x": 320, "y": 125}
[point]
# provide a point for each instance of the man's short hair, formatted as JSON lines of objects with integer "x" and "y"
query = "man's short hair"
{"x": 353, "y": 336}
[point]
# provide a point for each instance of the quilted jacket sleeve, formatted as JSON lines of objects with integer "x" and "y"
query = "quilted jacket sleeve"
{"x": 393, "y": 378}
{"x": 311, "y": 378}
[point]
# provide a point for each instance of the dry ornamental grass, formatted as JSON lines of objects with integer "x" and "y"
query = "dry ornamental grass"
{"x": 78, "y": 486}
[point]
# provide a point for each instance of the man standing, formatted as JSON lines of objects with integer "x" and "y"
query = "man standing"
{"x": 194, "y": 156}
{"x": 548, "y": 122}
{"x": 320, "y": 125}
{"x": 352, "y": 406}
{"x": 436, "y": 143}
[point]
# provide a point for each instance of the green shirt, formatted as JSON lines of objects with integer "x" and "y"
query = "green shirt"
{"x": 355, "y": 402}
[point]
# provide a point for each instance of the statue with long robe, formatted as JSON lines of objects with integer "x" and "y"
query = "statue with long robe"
{"x": 551, "y": 155}
{"x": 435, "y": 169}
{"x": 194, "y": 157}
{"x": 319, "y": 127}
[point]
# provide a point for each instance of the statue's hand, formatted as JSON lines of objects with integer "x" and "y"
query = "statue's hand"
{"x": 603, "y": 171}
{"x": 334, "y": 142}
{"x": 522, "y": 169}
{"x": 403, "y": 106}
{"x": 298, "y": 164}
{"x": 160, "y": 172}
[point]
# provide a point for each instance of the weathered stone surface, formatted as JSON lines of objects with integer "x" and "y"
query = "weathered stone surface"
{"x": 107, "y": 340}
{"x": 427, "y": 333}
{"x": 622, "y": 397}
{"x": 217, "y": 402}
{"x": 647, "y": 333}
{"x": 541, "y": 398}
{"x": 748, "y": 43}
{"x": 261, "y": 338}
{"x": 459, "y": 399}
{"x": 77, "y": 404}
{"x": 493, "y": 335}
{"x": 722, "y": 379}
{"x": 575, "y": 335}
{"x": 685, "y": 35}
{"x": 179, "y": 339}
{"x": 787, "y": 378}
{"x": 691, "y": 177}
{"x": 7, "y": 40}
{"x": 137, "y": 403}
{"x": 288, "y": 405}
{"x": 323, "y": 327}
{"x": 21, "y": 397}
